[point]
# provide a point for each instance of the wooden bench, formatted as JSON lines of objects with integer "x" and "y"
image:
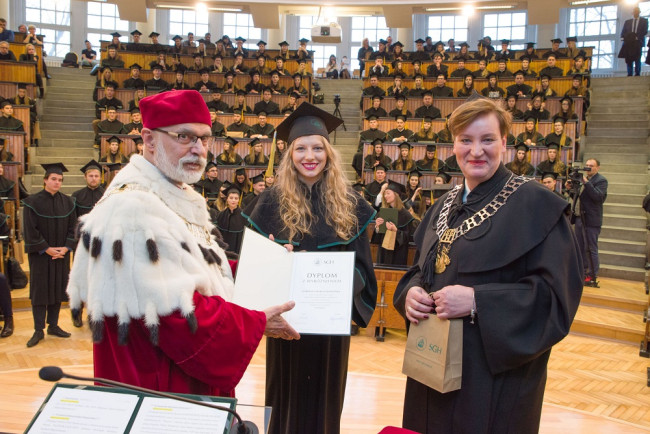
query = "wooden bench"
{"x": 385, "y": 315}
{"x": 9, "y": 89}
{"x": 15, "y": 143}
{"x": 17, "y": 72}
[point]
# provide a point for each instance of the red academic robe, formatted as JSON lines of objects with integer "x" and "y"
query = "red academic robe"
{"x": 210, "y": 361}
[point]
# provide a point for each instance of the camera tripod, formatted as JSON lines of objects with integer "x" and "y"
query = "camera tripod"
{"x": 337, "y": 111}
{"x": 575, "y": 191}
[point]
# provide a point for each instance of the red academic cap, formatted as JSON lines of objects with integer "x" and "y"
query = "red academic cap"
{"x": 173, "y": 108}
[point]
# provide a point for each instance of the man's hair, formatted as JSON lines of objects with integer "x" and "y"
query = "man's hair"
{"x": 86, "y": 41}
{"x": 190, "y": 33}
{"x": 2, "y": 20}
{"x": 597, "y": 162}
{"x": 467, "y": 113}
{"x": 3, "y": 43}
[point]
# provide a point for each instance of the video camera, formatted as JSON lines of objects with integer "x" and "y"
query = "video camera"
{"x": 575, "y": 176}
{"x": 337, "y": 99}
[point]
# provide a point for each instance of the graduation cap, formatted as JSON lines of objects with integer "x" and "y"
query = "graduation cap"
{"x": 307, "y": 120}
{"x": 400, "y": 116}
{"x": 545, "y": 76}
{"x": 240, "y": 39}
{"x": 229, "y": 74}
{"x": 295, "y": 94}
{"x": 398, "y": 44}
{"x": 553, "y": 175}
{"x": 92, "y": 164}
{"x": 301, "y": 61}
{"x": 481, "y": 43}
{"x": 261, "y": 56}
{"x": 379, "y": 97}
{"x": 240, "y": 171}
{"x": 522, "y": 58}
{"x": 395, "y": 186}
{"x": 428, "y": 119}
{"x": 401, "y": 96}
{"x": 556, "y": 41}
{"x": 383, "y": 41}
{"x": 373, "y": 74}
{"x": 519, "y": 72}
{"x": 114, "y": 139}
{"x": 258, "y": 178}
{"x": 418, "y": 75}
{"x": 303, "y": 40}
{"x": 530, "y": 45}
{"x": 567, "y": 98}
{"x": 558, "y": 118}
{"x": 444, "y": 175}
{"x": 572, "y": 39}
{"x": 502, "y": 60}
{"x": 217, "y": 56}
{"x": 135, "y": 66}
{"x": 195, "y": 55}
{"x": 297, "y": 74}
{"x": 113, "y": 46}
{"x": 522, "y": 147}
{"x": 136, "y": 32}
{"x": 154, "y": 34}
{"x": 406, "y": 145}
{"x": 204, "y": 71}
{"x": 254, "y": 72}
{"x": 240, "y": 92}
{"x": 511, "y": 95}
{"x": 180, "y": 38}
{"x": 22, "y": 86}
{"x": 113, "y": 167}
{"x": 156, "y": 66}
{"x": 439, "y": 43}
{"x": 416, "y": 62}
{"x": 283, "y": 43}
{"x": 464, "y": 44}
{"x": 415, "y": 172}
{"x": 505, "y": 41}
{"x": 579, "y": 56}
{"x": 377, "y": 141}
{"x": 358, "y": 186}
{"x": 232, "y": 142}
{"x": 231, "y": 188}
{"x": 555, "y": 146}
{"x": 431, "y": 147}
{"x": 371, "y": 118}
{"x": 260, "y": 43}
{"x": 210, "y": 165}
{"x": 491, "y": 74}
{"x": 57, "y": 168}
{"x": 419, "y": 41}
{"x": 530, "y": 118}
{"x": 382, "y": 166}
{"x": 138, "y": 141}
{"x": 135, "y": 110}
{"x": 254, "y": 142}
{"x": 427, "y": 93}
{"x": 262, "y": 113}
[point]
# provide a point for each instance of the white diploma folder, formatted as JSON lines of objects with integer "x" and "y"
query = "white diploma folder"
{"x": 321, "y": 284}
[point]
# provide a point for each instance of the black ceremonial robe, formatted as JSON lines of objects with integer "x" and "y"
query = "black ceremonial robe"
{"x": 305, "y": 379}
{"x": 49, "y": 221}
{"x": 86, "y": 198}
{"x": 406, "y": 225}
{"x": 231, "y": 225}
{"x": 527, "y": 279}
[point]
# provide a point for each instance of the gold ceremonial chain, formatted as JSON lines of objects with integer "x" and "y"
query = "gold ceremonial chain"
{"x": 447, "y": 236}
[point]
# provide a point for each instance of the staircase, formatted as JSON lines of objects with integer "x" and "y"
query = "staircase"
{"x": 619, "y": 124}
{"x": 66, "y": 128}
{"x": 345, "y": 142}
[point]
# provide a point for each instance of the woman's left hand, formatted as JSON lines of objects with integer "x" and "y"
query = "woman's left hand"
{"x": 289, "y": 247}
{"x": 453, "y": 301}
{"x": 391, "y": 227}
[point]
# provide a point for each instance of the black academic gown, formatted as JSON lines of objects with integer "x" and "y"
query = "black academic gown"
{"x": 527, "y": 279}
{"x": 305, "y": 379}
{"x": 406, "y": 225}
{"x": 209, "y": 188}
{"x": 231, "y": 225}
{"x": 86, "y": 198}
{"x": 49, "y": 221}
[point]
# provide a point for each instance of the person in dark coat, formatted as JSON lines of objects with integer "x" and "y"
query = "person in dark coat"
{"x": 230, "y": 221}
{"x": 210, "y": 185}
{"x": 305, "y": 381}
{"x": 633, "y": 34}
{"x": 515, "y": 303}
{"x": 49, "y": 223}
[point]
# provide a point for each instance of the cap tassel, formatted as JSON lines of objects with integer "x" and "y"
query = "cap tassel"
{"x": 269, "y": 168}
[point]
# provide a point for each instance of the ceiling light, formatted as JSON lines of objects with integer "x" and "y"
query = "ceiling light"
{"x": 586, "y": 2}
{"x": 468, "y": 10}
{"x": 450, "y": 9}
{"x": 213, "y": 9}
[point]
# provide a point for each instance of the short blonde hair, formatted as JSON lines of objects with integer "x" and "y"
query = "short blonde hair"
{"x": 468, "y": 112}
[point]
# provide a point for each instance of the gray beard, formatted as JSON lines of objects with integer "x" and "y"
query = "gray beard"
{"x": 177, "y": 172}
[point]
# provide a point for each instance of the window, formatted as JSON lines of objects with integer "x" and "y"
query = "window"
{"x": 645, "y": 12}
{"x": 184, "y": 21}
{"x": 506, "y": 26}
{"x": 104, "y": 19}
{"x": 242, "y": 25}
{"x": 595, "y": 26}
{"x": 321, "y": 53}
{"x": 52, "y": 20}
{"x": 373, "y": 28}
{"x": 446, "y": 27}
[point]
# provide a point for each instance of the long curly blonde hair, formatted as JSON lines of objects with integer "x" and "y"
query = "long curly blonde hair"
{"x": 338, "y": 199}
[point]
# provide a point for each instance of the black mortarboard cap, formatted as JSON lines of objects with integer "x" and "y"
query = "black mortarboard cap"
{"x": 530, "y": 45}
{"x": 553, "y": 146}
{"x": 138, "y": 140}
{"x": 135, "y": 66}
{"x": 240, "y": 171}
{"x": 152, "y": 34}
{"x": 204, "y": 71}
{"x": 232, "y": 141}
{"x": 383, "y": 41}
{"x": 258, "y": 178}
{"x": 231, "y": 188}
{"x": 379, "y": 97}
{"x": 114, "y": 139}
{"x": 431, "y": 147}
{"x": 378, "y": 141}
{"x": 22, "y": 86}
{"x": 358, "y": 186}
{"x": 296, "y": 74}
{"x": 57, "y": 168}
{"x": 295, "y": 94}
{"x": 400, "y": 116}
{"x": 254, "y": 142}
{"x": 427, "y": 93}
{"x": 92, "y": 164}
{"x": 116, "y": 35}
{"x": 303, "y": 40}
{"x": 545, "y": 76}
{"x": 229, "y": 74}
{"x": 307, "y": 120}
{"x": 523, "y": 146}
{"x": 253, "y": 72}
{"x": 382, "y": 166}
{"x": 135, "y": 110}
{"x": 113, "y": 46}
{"x": 112, "y": 167}
{"x": 136, "y": 32}
{"x": 491, "y": 74}
{"x": 415, "y": 172}
{"x": 283, "y": 43}
{"x": 210, "y": 165}
{"x": 464, "y": 44}
{"x": 558, "y": 118}
{"x": 419, "y": 41}
{"x": 398, "y": 44}
{"x": 156, "y": 66}
{"x": 428, "y": 119}
{"x": 400, "y": 96}
{"x": 395, "y": 186}
{"x": 240, "y": 39}
{"x": 445, "y": 176}
{"x": 195, "y": 55}
{"x": 371, "y": 118}
{"x": 567, "y": 98}
{"x": 180, "y": 38}
{"x": 519, "y": 72}
{"x": 437, "y": 54}
{"x": 556, "y": 41}
{"x": 406, "y": 145}
{"x": 261, "y": 43}
{"x": 241, "y": 92}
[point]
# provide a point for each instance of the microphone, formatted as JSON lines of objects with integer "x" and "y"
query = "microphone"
{"x": 54, "y": 373}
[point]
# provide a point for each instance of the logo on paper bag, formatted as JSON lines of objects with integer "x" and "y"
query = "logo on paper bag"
{"x": 421, "y": 343}
{"x": 435, "y": 349}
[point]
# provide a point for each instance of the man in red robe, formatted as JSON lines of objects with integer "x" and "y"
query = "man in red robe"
{"x": 152, "y": 271}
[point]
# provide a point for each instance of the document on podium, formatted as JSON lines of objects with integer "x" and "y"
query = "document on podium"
{"x": 321, "y": 284}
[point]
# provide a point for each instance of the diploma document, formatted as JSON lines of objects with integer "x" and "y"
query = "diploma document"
{"x": 320, "y": 283}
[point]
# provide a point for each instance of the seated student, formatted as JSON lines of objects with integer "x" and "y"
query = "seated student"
{"x": 210, "y": 185}
{"x": 156, "y": 83}
{"x": 398, "y": 87}
{"x": 482, "y": 71}
{"x": 284, "y": 50}
{"x": 430, "y": 162}
{"x": 417, "y": 69}
{"x": 426, "y": 132}
{"x": 577, "y": 89}
{"x": 400, "y": 133}
{"x": 114, "y": 152}
{"x": 238, "y": 66}
{"x": 302, "y": 68}
{"x": 377, "y": 157}
{"x": 179, "y": 82}
{"x": 262, "y": 129}
{"x": 400, "y": 107}
{"x": 275, "y": 86}
{"x": 5, "y": 53}
{"x": 437, "y": 67}
{"x": 418, "y": 89}
{"x": 553, "y": 163}
{"x": 301, "y": 52}
{"x": 536, "y": 109}
{"x": 520, "y": 165}
{"x": 217, "y": 103}
{"x": 220, "y": 203}
{"x": 403, "y": 229}
{"x": 256, "y": 155}
{"x": 204, "y": 84}
{"x": 198, "y": 62}
{"x": 525, "y": 68}
{"x": 267, "y": 105}
{"x": 258, "y": 184}
{"x": 218, "y": 129}
{"x": 254, "y": 85}
{"x": 555, "y": 49}
{"x": 279, "y": 66}
{"x": 558, "y": 136}
{"x": 241, "y": 181}
{"x": 229, "y": 85}
{"x": 112, "y": 59}
{"x": 511, "y": 107}
{"x": 217, "y": 66}
{"x": 549, "y": 180}
{"x": 441, "y": 90}
{"x": 427, "y": 109}
{"x": 139, "y": 147}
{"x": 420, "y": 55}
{"x": 460, "y": 71}
{"x": 444, "y": 135}
{"x": 240, "y": 103}
{"x": 378, "y": 68}
{"x": 137, "y": 96}
{"x": 134, "y": 81}
{"x": 404, "y": 161}
{"x": 520, "y": 88}
{"x": 230, "y": 221}
{"x": 110, "y": 125}
{"x": 21, "y": 98}
{"x": 530, "y": 52}
{"x": 544, "y": 87}
{"x": 530, "y": 137}
{"x": 104, "y": 79}
{"x": 412, "y": 188}
{"x": 505, "y": 53}
{"x": 108, "y": 100}
{"x": 238, "y": 125}
{"x": 374, "y": 89}
{"x": 550, "y": 69}
{"x": 297, "y": 86}
{"x": 578, "y": 67}
{"x": 468, "y": 87}
{"x": 566, "y": 110}
{"x": 376, "y": 109}
{"x": 229, "y": 157}
{"x": 373, "y": 188}
{"x": 483, "y": 51}
{"x": 502, "y": 69}
{"x": 451, "y": 164}
{"x": 239, "y": 50}
{"x": 134, "y": 128}
{"x": 493, "y": 90}
{"x": 5, "y": 155}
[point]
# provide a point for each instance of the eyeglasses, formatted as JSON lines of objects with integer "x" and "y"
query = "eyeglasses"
{"x": 186, "y": 139}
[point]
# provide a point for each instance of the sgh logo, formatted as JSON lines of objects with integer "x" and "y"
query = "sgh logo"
{"x": 421, "y": 343}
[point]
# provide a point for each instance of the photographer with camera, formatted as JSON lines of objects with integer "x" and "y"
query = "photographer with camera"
{"x": 590, "y": 188}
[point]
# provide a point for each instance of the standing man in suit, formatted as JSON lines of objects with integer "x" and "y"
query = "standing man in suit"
{"x": 590, "y": 218}
{"x": 639, "y": 26}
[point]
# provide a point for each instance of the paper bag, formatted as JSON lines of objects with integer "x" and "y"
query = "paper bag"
{"x": 389, "y": 240}
{"x": 19, "y": 250}
{"x": 434, "y": 353}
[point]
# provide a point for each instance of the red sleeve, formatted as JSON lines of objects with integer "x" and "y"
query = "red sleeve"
{"x": 222, "y": 346}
